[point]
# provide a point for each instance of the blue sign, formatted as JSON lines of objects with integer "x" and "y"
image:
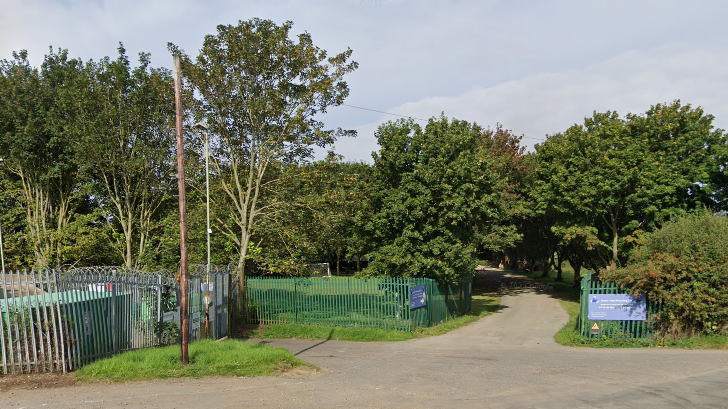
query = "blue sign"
{"x": 418, "y": 297}
{"x": 617, "y": 307}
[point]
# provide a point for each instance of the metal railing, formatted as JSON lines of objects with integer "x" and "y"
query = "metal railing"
{"x": 353, "y": 302}
{"x": 615, "y": 330}
{"x": 60, "y": 320}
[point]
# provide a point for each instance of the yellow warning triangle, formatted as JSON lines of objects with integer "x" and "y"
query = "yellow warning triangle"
{"x": 595, "y": 326}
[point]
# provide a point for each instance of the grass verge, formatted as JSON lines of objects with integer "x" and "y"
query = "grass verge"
{"x": 569, "y": 336}
{"x": 568, "y": 297}
{"x": 483, "y": 305}
{"x": 207, "y": 358}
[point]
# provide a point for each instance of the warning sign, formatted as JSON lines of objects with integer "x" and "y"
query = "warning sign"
{"x": 595, "y": 329}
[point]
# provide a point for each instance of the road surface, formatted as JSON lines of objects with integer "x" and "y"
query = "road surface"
{"x": 506, "y": 360}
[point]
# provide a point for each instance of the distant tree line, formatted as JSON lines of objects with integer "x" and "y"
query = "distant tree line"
{"x": 90, "y": 172}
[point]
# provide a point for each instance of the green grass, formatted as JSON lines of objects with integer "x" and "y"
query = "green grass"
{"x": 482, "y": 306}
{"x": 207, "y": 358}
{"x": 569, "y": 336}
{"x": 567, "y": 276}
{"x": 698, "y": 342}
{"x": 303, "y": 331}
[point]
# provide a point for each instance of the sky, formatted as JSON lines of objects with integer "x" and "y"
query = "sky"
{"x": 536, "y": 67}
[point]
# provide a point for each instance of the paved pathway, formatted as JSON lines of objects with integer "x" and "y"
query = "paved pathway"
{"x": 507, "y": 360}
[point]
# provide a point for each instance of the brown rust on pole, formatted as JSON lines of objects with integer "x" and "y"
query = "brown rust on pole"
{"x": 184, "y": 312}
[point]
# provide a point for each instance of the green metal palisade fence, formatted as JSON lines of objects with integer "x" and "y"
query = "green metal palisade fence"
{"x": 354, "y": 302}
{"x": 616, "y": 330}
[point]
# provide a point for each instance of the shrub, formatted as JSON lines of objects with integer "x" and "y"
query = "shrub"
{"x": 685, "y": 266}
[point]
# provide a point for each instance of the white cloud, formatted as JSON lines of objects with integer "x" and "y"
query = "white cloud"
{"x": 535, "y": 67}
{"x": 549, "y": 102}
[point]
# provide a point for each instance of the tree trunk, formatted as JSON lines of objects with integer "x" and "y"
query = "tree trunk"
{"x": 546, "y": 267}
{"x": 559, "y": 271}
{"x": 127, "y": 247}
{"x": 241, "y": 310}
{"x": 338, "y": 270}
{"x": 615, "y": 248}
{"x": 241, "y": 304}
{"x": 577, "y": 272}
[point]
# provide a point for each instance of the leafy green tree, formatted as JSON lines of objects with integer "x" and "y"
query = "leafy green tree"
{"x": 126, "y": 151}
{"x": 581, "y": 246}
{"x": 18, "y": 251}
{"x": 685, "y": 266}
{"x": 511, "y": 173}
{"x": 38, "y": 134}
{"x": 625, "y": 177}
{"x": 439, "y": 193}
{"x": 319, "y": 205}
{"x": 337, "y": 202}
{"x": 260, "y": 92}
{"x": 686, "y": 150}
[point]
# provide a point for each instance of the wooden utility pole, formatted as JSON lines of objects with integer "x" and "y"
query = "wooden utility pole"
{"x": 184, "y": 312}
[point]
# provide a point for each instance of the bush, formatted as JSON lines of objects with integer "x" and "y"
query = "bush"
{"x": 685, "y": 266}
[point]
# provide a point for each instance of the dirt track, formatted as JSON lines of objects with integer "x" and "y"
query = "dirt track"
{"x": 507, "y": 360}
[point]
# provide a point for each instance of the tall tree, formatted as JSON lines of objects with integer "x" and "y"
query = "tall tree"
{"x": 320, "y": 206}
{"x": 260, "y": 92}
{"x": 511, "y": 171}
{"x": 39, "y": 131}
{"x": 128, "y": 150}
{"x": 627, "y": 176}
{"x": 439, "y": 193}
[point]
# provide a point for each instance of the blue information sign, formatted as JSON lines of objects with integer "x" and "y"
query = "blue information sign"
{"x": 418, "y": 297}
{"x": 617, "y": 307}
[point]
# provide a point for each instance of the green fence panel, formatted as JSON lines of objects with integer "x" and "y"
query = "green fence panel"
{"x": 615, "y": 330}
{"x": 354, "y": 302}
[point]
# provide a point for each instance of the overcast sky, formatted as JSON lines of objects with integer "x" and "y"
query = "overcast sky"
{"x": 537, "y": 67}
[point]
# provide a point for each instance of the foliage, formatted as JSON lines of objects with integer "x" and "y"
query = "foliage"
{"x": 625, "y": 177}
{"x": 511, "y": 170}
{"x": 125, "y": 150}
{"x": 167, "y": 332}
{"x": 580, "y": 245}
{"x": 320, "y": 206}
{"x": 86, "y": 153}
{"x": 207, "y": 358}
{"x": 569, "y": 336}
{"x": 439, "y": 193}
{"x": 37, "y": 129}
{"x": 685, "y": 266}
{"x": 260, "y": 93}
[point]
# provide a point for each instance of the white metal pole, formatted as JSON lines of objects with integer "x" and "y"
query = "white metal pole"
{"x": 2, "y": 252}
{"x": 207, "y": 188}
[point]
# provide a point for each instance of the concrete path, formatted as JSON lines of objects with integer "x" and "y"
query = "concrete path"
{"x": 507, "y": 360}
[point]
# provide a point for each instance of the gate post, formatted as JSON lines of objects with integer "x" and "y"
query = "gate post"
{"x": 584, "y": 304}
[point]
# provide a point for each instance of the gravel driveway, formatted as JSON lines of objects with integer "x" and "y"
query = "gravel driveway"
{"x": 507, "y": 360}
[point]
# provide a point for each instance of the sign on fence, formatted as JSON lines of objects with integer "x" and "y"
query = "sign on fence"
{"x": 617, "y": 307}
{"x": 418, "y": 297}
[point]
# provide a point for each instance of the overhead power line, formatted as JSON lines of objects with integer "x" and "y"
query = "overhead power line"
{"x": 419, "y": 119}
{"x": 384, "y": 112}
